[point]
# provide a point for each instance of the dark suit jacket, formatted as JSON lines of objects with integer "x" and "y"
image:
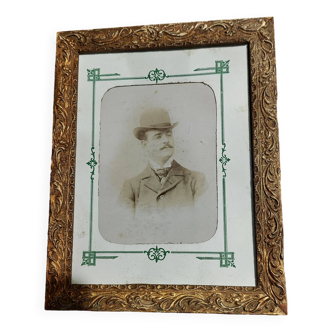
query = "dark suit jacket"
{"x": 144, "y": 193}
{"x": 175, "y": 212}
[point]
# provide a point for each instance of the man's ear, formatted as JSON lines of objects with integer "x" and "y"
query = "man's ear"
{"x": 143, "y": 143}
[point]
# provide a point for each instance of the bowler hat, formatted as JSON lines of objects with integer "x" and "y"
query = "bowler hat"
{"x": 154, "y": 118}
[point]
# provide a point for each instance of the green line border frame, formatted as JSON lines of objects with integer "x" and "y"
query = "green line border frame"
{"x": 226, "y": 259}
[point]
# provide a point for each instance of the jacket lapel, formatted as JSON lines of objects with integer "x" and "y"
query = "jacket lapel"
{"x": 173, "y": 178}
{"x": 152, "y": 182}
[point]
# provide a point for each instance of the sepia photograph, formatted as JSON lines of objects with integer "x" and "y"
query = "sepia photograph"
{"x": 157, "y": 173}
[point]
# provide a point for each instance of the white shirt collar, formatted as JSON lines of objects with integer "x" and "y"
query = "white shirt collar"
{"x": 155, "y": 166}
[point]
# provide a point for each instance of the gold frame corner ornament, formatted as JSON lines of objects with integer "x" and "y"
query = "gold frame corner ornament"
{"x": 269, "y": 297}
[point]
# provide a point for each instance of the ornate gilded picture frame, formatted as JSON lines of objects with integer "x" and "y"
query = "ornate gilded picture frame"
{"x": 208, "y": 89}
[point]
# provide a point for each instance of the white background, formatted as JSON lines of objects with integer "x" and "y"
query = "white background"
{"x": 176, "y": 268}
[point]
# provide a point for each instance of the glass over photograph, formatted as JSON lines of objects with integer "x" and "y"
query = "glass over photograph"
{"x": 157, "y": 164}
{"x": 163, "y": 178}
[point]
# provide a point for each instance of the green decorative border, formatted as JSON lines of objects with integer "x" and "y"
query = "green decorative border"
{"x": 156, "y": 254}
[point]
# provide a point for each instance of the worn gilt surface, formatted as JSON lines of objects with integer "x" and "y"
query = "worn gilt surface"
{"x": 269, "y": 297}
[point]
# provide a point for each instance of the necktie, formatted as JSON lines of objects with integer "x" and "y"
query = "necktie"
{"x": 162, "y": 173}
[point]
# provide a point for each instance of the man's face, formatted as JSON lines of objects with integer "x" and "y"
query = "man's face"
{"x": 159, "y": 143}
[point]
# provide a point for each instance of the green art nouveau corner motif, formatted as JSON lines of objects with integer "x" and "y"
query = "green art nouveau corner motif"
{"x": 90, "y": 257}
{"x": 225, "y": 258}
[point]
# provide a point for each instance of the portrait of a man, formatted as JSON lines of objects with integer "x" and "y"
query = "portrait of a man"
{"x": 158, "y": 165}
{"x": 164, "y": 183}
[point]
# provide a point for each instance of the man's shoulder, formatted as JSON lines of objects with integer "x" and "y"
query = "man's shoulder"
{"x": 188, "y": 172}
{"x": 196, "y": 179}
{"x": 140, "y": 176}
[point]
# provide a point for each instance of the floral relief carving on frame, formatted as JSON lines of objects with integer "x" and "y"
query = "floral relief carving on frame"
{"x": 269, "y": 297}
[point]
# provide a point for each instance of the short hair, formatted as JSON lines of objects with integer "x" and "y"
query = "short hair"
{"x": 142, "y": 136}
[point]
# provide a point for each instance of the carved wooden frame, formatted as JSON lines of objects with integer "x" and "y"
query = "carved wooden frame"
{"x": 269, "y": 297}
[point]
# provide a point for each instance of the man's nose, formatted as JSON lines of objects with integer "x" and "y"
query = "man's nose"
{"x": 165, "y": 139}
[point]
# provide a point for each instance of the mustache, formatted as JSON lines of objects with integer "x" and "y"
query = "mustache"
{"x": 166, "y": 146}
